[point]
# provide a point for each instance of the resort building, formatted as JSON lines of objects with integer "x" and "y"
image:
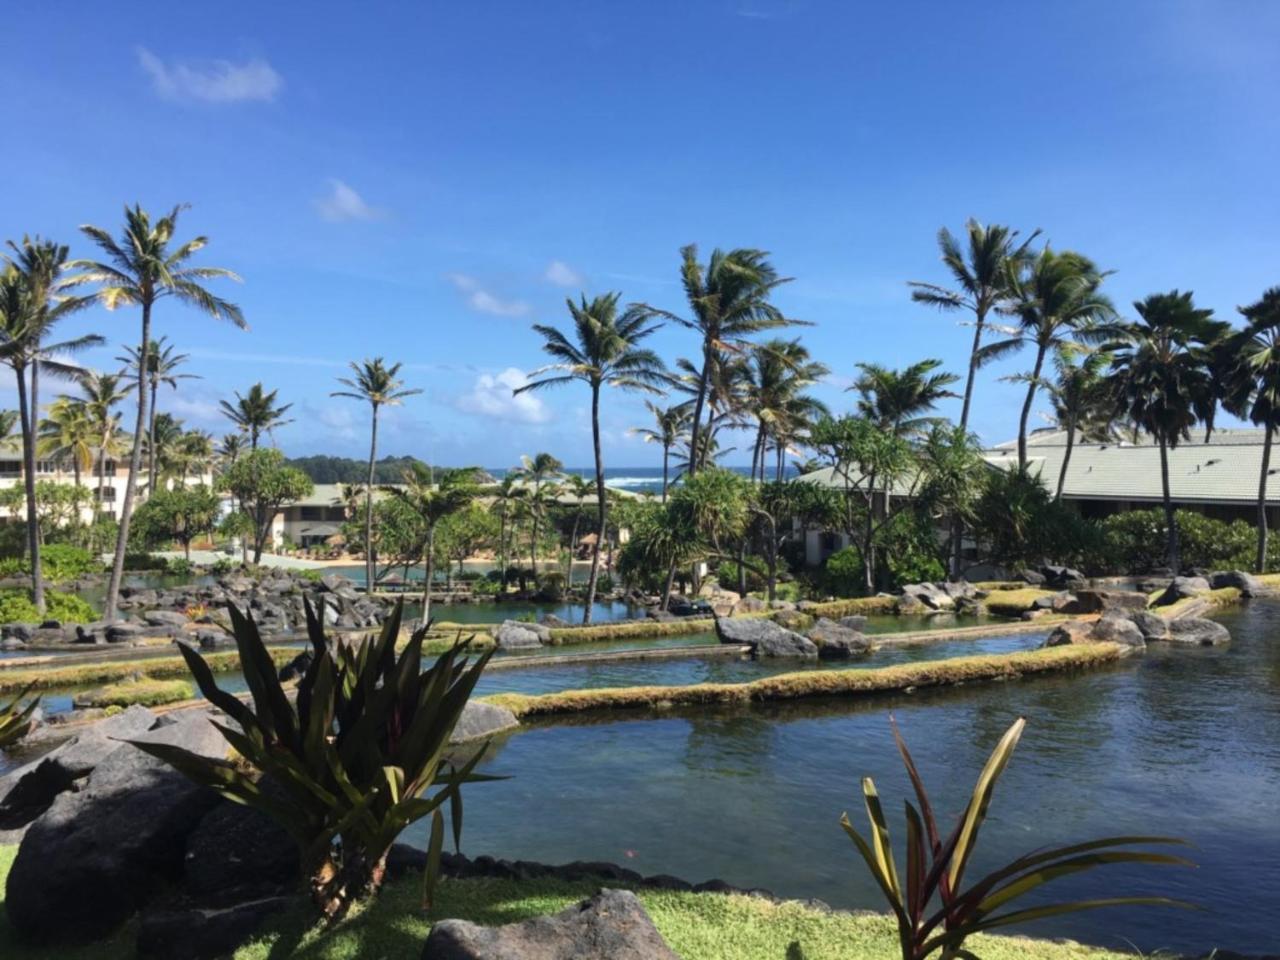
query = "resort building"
{"x": 1217, "y": 477}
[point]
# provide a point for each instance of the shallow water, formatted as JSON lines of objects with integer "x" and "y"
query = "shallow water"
{"x": 1179, "y": 742}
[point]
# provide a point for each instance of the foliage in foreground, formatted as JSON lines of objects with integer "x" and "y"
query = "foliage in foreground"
{"x": 15, "y": 718}
{"x": 935, "y": 867}
{"x": 347, "y": 765}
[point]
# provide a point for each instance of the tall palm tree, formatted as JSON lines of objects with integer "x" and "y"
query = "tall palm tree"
{"x": 669, "y": 429}
{"x": 1057, "y": 300}
{"x": 982, "y": 276}
{"x": 256, "y": 413}
{"x": 1253, "y": 390}
{"x": 160, "y": 364}
{"x": 506, "y": 497}
{"x": 142, "y": 268}
{"x": 378, "y": 385}
{"x": 34, "y": 301}
{"x": 604, "y": 352}
{"x": 100, "y": 394}
{"x": 431, "y": 503}
{"x": 539, "y": 477}
{"x": 164, "y": 449}
{"x": 1082, "y": 402}
{"x": 195, "y": 454}
{"x": 229, "y": 449}
{"x": 899, "y": 401}
{"x": 1162, "y": 377}
{"x": 776, "y": 374}
{"x": 729, "y": 301}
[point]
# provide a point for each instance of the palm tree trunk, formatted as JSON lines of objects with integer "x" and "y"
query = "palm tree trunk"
{"x": 667, "y": 588}
{"x": 533, "y": 546}
{"x": 1026, "y": 407}
{"x": 1170, "y": 522}
{"x": 666, "y": 455}
{"x": 151, "y": 437}
{"x": 979, "y": 324}
{"x": 29, "y": 483}
{"x": 782, "y": 452}
{"x": 428, "y": 574}
{"x": 1260, "y": 561}
{"x": 502, "y": 552}
{"x": 369, "y": 560}
{"x": 602, "y": 505}
{"x": 757, "y": 455}
{"x": 696, "y": 432}
{"x": 135, "y": 465}
{"x": 1066, "y": 457}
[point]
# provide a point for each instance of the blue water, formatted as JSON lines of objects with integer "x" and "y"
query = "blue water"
{"x": 641, "y": 479}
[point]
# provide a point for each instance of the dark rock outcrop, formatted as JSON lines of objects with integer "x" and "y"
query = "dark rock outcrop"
{"x": 612, "y": 925}
{"x": 766, "y": 638}
{"x": 190, "y": 932}
{"x": 1181, "y": 588}
{"x": 1248, "y": 585}
{"x": 1193, "y": 630}
{"x": 479, "y": 720}
{"x": 837, "y": 642}
{"x": 97, "y": 855}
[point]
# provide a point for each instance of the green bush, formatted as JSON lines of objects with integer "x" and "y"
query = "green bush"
{"x": 143, "y": 561}
{"x": 909, "y": 547}
{"x": 551, "y": 587}
{"x": 1019, "y": 524}
{"x": 843, "y": 571}
{"x": 179, "y": 567}
{"x": 58, "y": 562}
{"x": 727, "y": 574}
{"x": 16, "y": 606}
{"x": 1135, "y": 542}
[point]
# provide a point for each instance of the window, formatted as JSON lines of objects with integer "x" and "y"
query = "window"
{"x": 46, "y": 466}
{"x": 109, "y": 468}
{"x": 106, "y": 495}
{"x": 10, "y": 468}
{"x": 830, "y": 542}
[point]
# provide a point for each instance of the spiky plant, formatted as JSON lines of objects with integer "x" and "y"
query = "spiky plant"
{"x": 347, "y": 764}
{"x": 16, "y": 719}
{"x": 934, "y": 911}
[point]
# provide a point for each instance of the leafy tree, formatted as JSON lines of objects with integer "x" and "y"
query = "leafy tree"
{"x": 263, "y": 485}
{"x": 1057, "y": 300}
{"x": 604, "y": 352}
{"x": 464, "y": 533}
{"x": 983, "y": 275}
{"x": 378, "y": 385}
{"x": 141, "y": 269}
{"x": 256, "y": 413}
{"x": 1253, "y": 390}
{"x": 669, "y": 428}
{"x": 431, "y": 503}
{"x": 160, "y": 364}
{"x": 1162, "y": 377}
{"x": 33, "y": 300}
{"x": 728, "y": 301}
{"x": 783, "y": 511}
{"x": 952, "y": 471}
{"x": 1082, "y": 400}
{"x": 57, "y": 508}
{"x": 181, "y": 514}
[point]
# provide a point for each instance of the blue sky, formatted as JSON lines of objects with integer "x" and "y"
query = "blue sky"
{"x": 424, "y": 181}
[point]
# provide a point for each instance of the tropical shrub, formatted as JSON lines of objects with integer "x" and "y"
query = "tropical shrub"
{"x": 551, "y": 586}
{"x": 910, "y": 549}
{"x": 179, "y": 567}
{"x": 143, "y": 561}
{"x": 935, "y": 866}
{"x": 351, "y": 759}
{"x": 16, "y": 606}
{"x": 16, "y": 719}
{"x": 58, "y": 562}
{"x": 1019, "y": 524}
{"x": 727, "y": 573}
{"x": 1135, "y": 542}
{"x": 843, "y": 572}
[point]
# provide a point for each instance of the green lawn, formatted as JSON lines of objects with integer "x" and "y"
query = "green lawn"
{"x": 698, "y": 926}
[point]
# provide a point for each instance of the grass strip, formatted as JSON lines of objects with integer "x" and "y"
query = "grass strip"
{"x": 817, "y": 683}
{"x": 1222, "y": 597}
{"x": 698, "y": 926}
{"x": 145, "y": 692}
{"x": 835, "y": 609}
{"x": 116, "y": 671}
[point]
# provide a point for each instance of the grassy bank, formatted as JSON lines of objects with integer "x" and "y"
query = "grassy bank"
{"x": 118, "y": 671}
{"x": 1013, "y": 603}
{"x": 698, "y": 926}
{"x": 864, "y": 606}
{"x": 145, "y": 692}
{"x": 1222, "y": 597}
{"x": 817, "y": 683}
{"x": 632, "y": 630}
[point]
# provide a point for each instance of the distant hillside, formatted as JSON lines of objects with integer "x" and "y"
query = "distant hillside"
{"x": 325, "y": 469}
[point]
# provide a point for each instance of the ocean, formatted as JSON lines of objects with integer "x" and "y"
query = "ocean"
{"x": 639, "y": 479}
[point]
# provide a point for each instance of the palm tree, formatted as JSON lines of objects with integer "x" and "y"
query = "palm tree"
{"x": 66, "y": 434}
{"x": 432, "y": 503}
{"x": 160, "y": 363}
{"x": 899, "y": 400}
{"x": 255, "y": 413}
{"x": 101, "y": 393}
{"x": 195, "y": 454}
{"x": 164, "y": 449}
{"x": 982, "y": 284}
{"x": 1082, "y": 402}
{"x": 669, "y": 429}
{"x": 229, "y": 449}
{"x": 8, "y": 422}
{"x": 775, "y": 376}
{"x": 1161, "y": 374}
{"x": 1253, "y": 390}
{"x": 142, "y": 268}
{"x": 538, "y": 475}
{"x": 378, "y": 385}
{"x": 34, "y": 301}
{"x": 506, "y": 497}
{"x": 606, "y": 353}
{"x": 1056, "y": 299}
{"x": 729, "y": 301}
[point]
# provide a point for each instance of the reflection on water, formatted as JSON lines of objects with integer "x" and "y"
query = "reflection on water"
{"x": 1180, "y": 742}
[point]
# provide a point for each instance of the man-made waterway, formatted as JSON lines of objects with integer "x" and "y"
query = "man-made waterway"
{"x": 1181, "y": 742}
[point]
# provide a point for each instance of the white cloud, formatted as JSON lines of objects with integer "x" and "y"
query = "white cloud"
{"x": 492, "y": 396}
{"x": 343, "y": 204}
{"x": 563, "y": 275}
{"x": 213, "y": 81}
{"x": 483, "y": 301}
